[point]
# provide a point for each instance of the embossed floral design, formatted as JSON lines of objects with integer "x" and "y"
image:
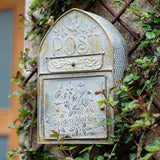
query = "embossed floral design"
{"x": 74, "y": 108}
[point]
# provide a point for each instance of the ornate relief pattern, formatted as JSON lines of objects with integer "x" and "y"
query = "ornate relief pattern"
{"x": 75, "y": 63}
{"x": 71, "y": 106}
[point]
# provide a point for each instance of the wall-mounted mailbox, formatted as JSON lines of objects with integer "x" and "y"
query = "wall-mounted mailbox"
{"x": 82, "y": 53}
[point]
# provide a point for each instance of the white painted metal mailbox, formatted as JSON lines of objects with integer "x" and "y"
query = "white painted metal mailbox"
{"x": 82, "y": 53}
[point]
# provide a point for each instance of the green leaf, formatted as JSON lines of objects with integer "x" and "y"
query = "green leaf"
{"x": 69, "y": 158}
{"x": 114, "y": 103}
{"x": 157, "y": 31}
{"x": 158, "y": 143}
{"x": 146, "y": 26}
{"x": 130, "y": 77}
{"x": 118, "y": 118}
{"x": 102, "y": 124}
{"x": 152, "y": 148}
{"x": 145, "y": 114}
{"x": 158, "y": 49}
{"x": 61, "y": 138}
{"x": 132, "y": 156}
{"x": 12, "y": 127}
{"x": 15, "y": 93}
{"x": 98, "y": 145}
{"x": 110, "y": 121}
{"x": 124, "y": 88}
{"x": 86, "y": 156}
{"x": 150, "y": 35}
{"x": 100, "y": 158}
{"x": 21, "y": 65}
{"x": 85, "y": 149}
{"x": 147, "y": 156}
{"x": 55, "y": 133}
{"x": 102, "y": 102}
{"x": 140, "y": 61}
{"x": 72, "y": 147}
{"x": 147, "y": 123}
{"x": 136, "y": 20}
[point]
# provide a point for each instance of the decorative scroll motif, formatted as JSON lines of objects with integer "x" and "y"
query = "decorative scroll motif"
{"x": 71, "y": 106}
{"x": 75, "y": 63}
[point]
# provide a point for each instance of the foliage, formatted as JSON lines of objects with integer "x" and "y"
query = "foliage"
{"x": 46, "y": 9}
{"x": 136, "y": 91}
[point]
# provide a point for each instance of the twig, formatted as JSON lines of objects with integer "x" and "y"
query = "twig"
{"x": 29, "y": 77}
{"x": 140, "y": 145}
{"x": 113, "y": 150}
{"x": 32, "y": 119}
{"x": 60, "y": 144}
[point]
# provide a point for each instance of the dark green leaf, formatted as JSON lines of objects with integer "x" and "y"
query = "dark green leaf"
{"x": 132, "y": 156}
{"x": 150, "y": 35}
{"x": 157, "y": 31}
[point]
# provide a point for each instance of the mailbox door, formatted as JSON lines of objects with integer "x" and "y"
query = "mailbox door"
{"x": 70, "y": 106}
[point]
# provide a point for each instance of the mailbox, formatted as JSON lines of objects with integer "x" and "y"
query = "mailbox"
{"x": 82, "y": 53}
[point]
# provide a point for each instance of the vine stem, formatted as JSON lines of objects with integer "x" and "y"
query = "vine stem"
{"x": 130, "y": 95}
{"x": 121, "y": 114}
{"x": 152, "y": 124}
{"x": 32, "y": 119}
{"x": 61, "y": 145}
{"x": 113, "y": 150}
{"x": 140, "y": 145}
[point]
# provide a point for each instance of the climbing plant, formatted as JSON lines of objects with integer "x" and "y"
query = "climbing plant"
{"x": 134, "y": 116}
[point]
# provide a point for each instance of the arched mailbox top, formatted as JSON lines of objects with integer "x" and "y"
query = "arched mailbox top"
{"x": 81, "y": 41}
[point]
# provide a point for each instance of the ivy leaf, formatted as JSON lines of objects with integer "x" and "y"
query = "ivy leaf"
{"x": 61, "y": 138}
{"x": 158, "y": 49}
{"x": 146, "y": 26}
{"x": 150, "y": 35}
{"x": 100, "y": 158}
{"x": 147, "y": 156}
{"x": 158, "y": 143}
{"x": 130, "y": 78}
{"x": 108, "y": 122}
{"x": 157, "y": 31}
{"x": 12, "y": 127}
{"x": 69, "y": 158}
{"x": 72, "y": 147}
{"x": 102, "y": 102}
{"x": 86, "y": 149}
{"x": 132, "y": 156}
{"x": 86, "y": 156}
{"x": 136, "y": 20}
{"x": 55, "y": 133}
{"x": 152, "y": 148}
{"x": 15, "y": 93}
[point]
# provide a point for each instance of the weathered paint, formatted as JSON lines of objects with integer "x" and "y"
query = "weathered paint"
{"x": 82, "y": 53}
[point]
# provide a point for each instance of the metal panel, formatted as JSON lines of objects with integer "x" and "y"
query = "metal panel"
{"x": 76, "y": 63}
{"x": 70, "y": 105}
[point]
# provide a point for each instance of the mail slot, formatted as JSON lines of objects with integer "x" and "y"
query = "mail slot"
{"x": 82, "y": 53}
